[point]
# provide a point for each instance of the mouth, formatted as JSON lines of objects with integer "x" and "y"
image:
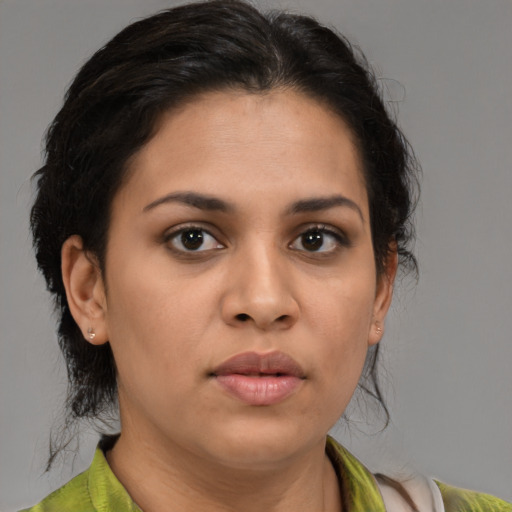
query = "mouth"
{"x": 259, "y": 379}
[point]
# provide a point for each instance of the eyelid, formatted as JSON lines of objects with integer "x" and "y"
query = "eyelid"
{"x": 175, "y": 231}
{"x": 339, "y": 235}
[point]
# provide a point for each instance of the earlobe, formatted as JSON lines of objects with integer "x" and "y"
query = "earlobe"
{"x": 85, "y": 290}
{"x": 383, "y": 296}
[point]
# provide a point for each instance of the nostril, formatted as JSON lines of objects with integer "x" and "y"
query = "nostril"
{"x": 243, "y": 317}
{"x": 282, "y": 318}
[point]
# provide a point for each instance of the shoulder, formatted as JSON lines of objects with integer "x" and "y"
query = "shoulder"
{"x": 421, "y": 494}
{"x": 72, "y": 496}
{"x": 406, "y": 494}
{"x": 463, "y": 500}
{"x": 96, "y": 489}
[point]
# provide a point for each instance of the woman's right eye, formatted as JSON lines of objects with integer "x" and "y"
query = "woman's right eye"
{"x": 193, "y": 239}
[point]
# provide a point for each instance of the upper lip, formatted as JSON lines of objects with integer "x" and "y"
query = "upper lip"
{"x": 252, "y": 363}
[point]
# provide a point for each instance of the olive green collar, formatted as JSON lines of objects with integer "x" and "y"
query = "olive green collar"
{"x": 359, "y": 491}
{"x": 358, "y": 487}
{"x": 105, "y": 490}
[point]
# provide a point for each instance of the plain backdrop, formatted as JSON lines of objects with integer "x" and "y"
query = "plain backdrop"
{"x": 446, "y": 66}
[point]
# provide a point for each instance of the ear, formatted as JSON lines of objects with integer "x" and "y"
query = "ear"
{"x": 383, "y": 295}
{"x": 85, "y": 290}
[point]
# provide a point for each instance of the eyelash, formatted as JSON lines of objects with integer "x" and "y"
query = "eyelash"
{"x": 174, "y": 235}
{"x": 340, "y": 240}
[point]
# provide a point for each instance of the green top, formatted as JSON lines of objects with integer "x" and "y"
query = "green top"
{"x": 98, "y": 490}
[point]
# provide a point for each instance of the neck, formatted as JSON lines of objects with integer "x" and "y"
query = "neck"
{"x": 170, "y": 478}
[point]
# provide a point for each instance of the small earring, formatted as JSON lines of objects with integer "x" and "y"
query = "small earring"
{"x": 91, "y": 334}
{"x": 378, "y": 329}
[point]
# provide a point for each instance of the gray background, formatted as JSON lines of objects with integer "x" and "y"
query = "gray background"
{"x": 448, "y": 347}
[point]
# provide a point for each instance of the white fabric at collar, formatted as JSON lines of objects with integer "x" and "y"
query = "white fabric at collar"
{"x": 423, "y": 491}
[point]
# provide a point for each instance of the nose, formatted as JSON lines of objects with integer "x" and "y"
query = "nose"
{"x": 259, "y": 292}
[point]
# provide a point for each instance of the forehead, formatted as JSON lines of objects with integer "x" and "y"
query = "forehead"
{"x": 233, "y": 142}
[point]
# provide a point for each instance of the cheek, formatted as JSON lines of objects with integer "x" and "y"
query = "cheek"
{"x": 341, "y": 311}
{"x": 341, "y": 324}
{"x": 154, "y": 322}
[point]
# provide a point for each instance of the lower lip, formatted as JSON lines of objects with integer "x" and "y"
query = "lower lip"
{"x": 259, "y": 390}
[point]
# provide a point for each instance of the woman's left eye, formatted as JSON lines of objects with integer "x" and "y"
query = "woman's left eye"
{"x": 193, "y": 239}
{"x": 318, "y": 240}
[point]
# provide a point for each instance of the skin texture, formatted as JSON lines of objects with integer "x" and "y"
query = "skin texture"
{"x": 254, "y": 285}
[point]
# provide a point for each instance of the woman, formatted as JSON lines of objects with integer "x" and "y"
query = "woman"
{"x": 221, "y": 215}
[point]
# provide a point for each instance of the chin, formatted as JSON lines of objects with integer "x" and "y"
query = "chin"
{"x": 261, "y": 444}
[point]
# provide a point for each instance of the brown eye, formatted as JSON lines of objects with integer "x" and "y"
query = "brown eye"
{"x": 321, "y": 240}
{"x": 193, "y": 239}
{"x": 312, "y": 240}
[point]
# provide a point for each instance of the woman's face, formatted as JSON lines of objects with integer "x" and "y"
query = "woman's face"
{"x": 241, "y": 293}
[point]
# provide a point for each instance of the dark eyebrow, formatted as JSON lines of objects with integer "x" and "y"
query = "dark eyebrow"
{"x": 203, "y": 202}
{"x": 316, "y": 204}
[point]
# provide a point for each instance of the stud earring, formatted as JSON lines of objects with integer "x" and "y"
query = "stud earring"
{"x": 91, "y": 334}
{"x": 378, "y": 328}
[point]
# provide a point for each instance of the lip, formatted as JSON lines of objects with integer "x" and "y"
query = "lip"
{"x": 259, "y": 379}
